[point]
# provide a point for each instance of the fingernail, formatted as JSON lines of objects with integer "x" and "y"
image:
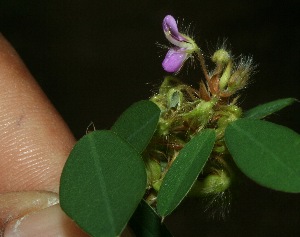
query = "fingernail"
{"x": 49, "y": 222}
{"x": 14, "y": 205}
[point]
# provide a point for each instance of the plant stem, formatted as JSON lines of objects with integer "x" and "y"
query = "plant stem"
{"x": 202, "y": 63}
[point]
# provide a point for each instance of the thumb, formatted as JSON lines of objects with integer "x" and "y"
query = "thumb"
{"x": 34, "y": 219}
{"x": 34, "y": 140}
{"x": 34, "y": 145}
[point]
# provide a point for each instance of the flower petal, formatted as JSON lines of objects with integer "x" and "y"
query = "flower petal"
{"x": 174, "y": 59}
{"x": 171, "y": 30}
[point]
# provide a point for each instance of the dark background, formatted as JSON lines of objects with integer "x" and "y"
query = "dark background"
{"x": 95, "y": 58}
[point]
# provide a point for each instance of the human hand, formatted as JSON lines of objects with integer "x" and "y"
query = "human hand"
{"x": 34, "y": 145}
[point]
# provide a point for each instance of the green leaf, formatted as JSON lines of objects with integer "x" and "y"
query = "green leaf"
{"x": 184, "y": 171}
{"x": 146, "y": 223}
{"x": 138, "y": 123}
{"x": 266, "y": 109}
{"x": 102, "y": 183}
{"x": 267, "y": 153}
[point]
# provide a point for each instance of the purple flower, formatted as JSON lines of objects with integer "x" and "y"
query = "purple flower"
{"x": 183, "y": 48}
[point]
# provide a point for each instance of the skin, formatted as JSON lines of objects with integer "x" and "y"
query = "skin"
{"x": 34, "y": 145}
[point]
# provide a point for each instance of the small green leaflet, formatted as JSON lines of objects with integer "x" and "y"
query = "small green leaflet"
{"x": 266, "y": 152}
{"x": 266, "y": 109}
{"x": 184, "y": 171}
{"x": 137, "y": 124}
{"x": 102, "y": 183}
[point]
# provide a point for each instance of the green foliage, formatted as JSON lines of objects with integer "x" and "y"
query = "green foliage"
{"x": 146, "y": 223}
{"x": 155, "y": 150}
{"x": 184, "y": 171}
{"x": 96, "y": 190}
{"x": 266, "y": 109}
{"x": 138, "y": 123}
{"x": 267, "y": 153}
{"x": 104, "y": 177}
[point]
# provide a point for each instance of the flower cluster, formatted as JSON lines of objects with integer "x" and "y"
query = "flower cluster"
{"x": 224, "y": 81}
{"x": 186, "y": 111}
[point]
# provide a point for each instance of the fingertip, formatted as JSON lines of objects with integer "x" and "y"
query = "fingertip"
{"x": 34, "y": 140}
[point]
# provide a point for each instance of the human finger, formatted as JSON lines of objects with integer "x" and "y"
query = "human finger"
{"x": 34, "y": 140}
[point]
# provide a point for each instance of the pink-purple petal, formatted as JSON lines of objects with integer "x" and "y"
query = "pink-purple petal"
{"x": 174, "y": 60}
{"x": 170, "y": 26}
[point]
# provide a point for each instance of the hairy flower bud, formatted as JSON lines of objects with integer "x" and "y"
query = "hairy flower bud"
{"x": 221, "y": 56}
{"x": 175, "y": 98}
{"x": 211, "y": 184}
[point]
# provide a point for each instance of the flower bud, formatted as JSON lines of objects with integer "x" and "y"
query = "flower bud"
{"x": 174, "y": 98}
{"x": 202, "y": 112}
{"x": 225, "y": 76}
{"x": 211, "y": 185}
{"x": 240, "y": 77}
{"x": 221, "y": 56}
{"x": 153, "y": 170}
{"x": 156, "y": 185}
{"x": 230, "y": 114}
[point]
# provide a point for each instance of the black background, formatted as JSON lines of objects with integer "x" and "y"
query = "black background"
{"x": 95, "y": 58}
